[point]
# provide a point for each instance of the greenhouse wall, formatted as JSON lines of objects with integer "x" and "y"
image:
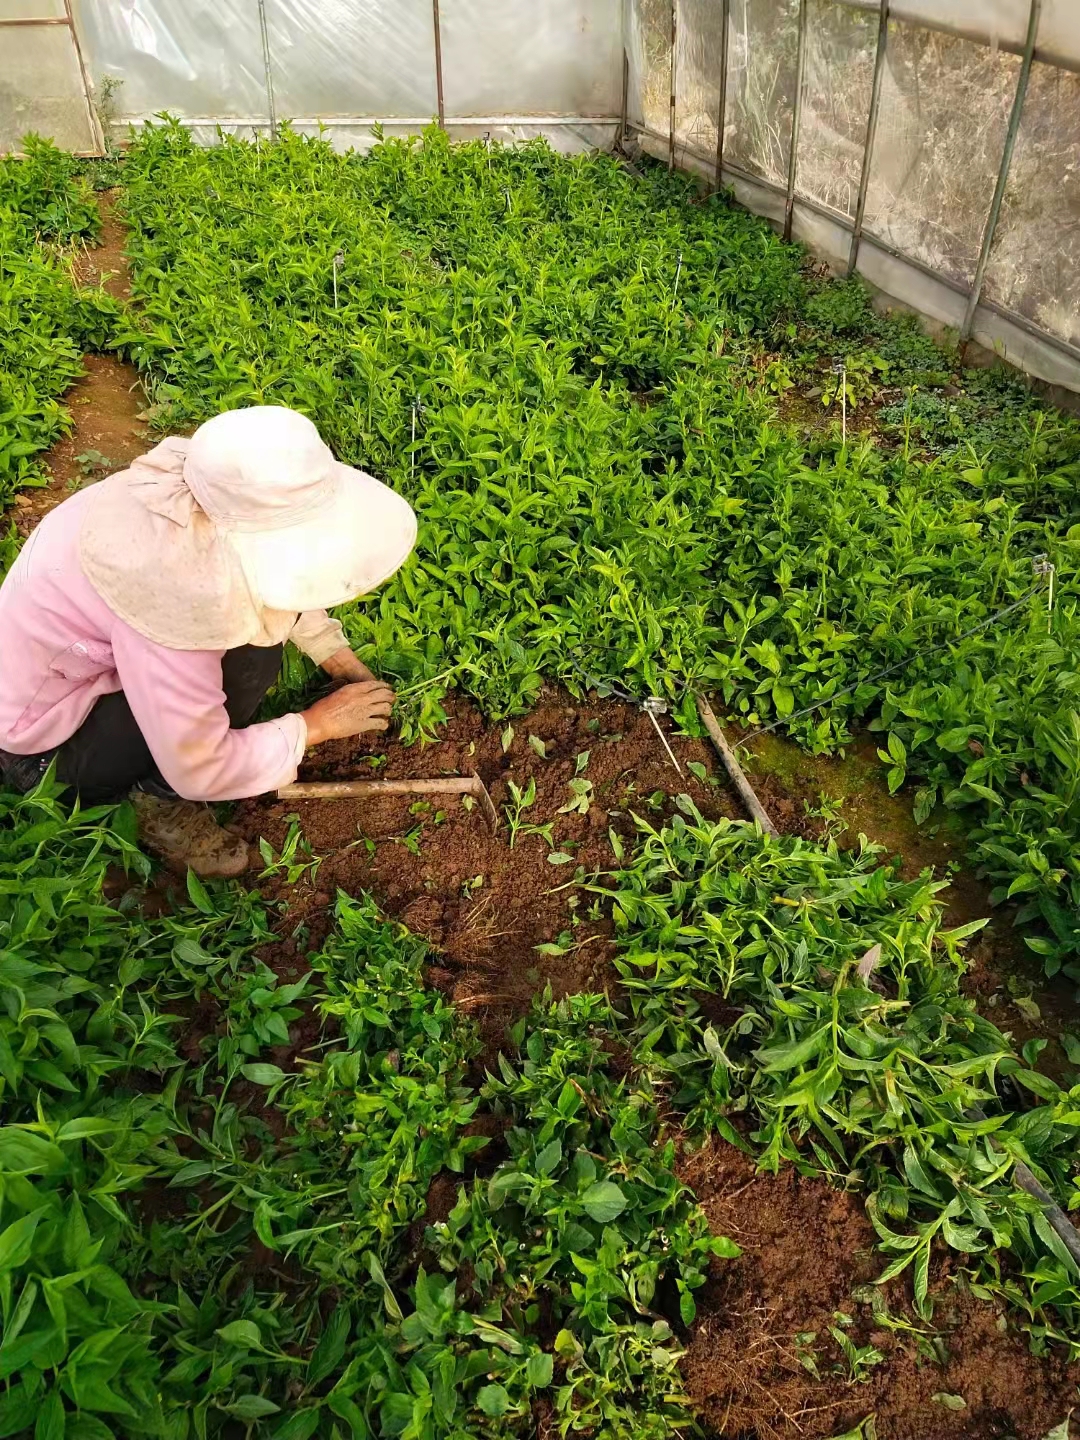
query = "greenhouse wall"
{"x": 932, "y": 146}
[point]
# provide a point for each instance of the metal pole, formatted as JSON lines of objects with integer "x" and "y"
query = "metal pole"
{"x": 671, "y": 101}
{"x": 871, "y": 131}
{"x": 97, "y": 128}
{"x": 624, "y": 109}
{"x": 1003, "y": 170}
{"x": 265, "y": 33}
{"x": 796, "y": 118}
{"x": 441, "y": 100}
{"x": 725, "y": 20}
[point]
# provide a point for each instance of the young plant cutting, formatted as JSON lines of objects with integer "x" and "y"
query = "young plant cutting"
{"x": 438, "y": 1132}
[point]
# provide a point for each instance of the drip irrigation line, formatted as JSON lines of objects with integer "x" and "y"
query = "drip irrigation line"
{"x": 597, "y": 682}
{"x": 892, "y": 669}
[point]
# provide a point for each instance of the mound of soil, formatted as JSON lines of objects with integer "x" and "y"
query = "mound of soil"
{"x": 809, "y": 1257}
{"x": 483, "y": 904}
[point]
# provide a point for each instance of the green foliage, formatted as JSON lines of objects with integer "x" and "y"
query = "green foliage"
{"x": 45, "y": 323}
{"x": 83, "y": 1064}
{"x": 503, "y": 348}
{"x": 601, "y": 489}
{"x": 816, "y": 989}
{"x": 211, "y": 1225}
{"x": 585, "y": 1223}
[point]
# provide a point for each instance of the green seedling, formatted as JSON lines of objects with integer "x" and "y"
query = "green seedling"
{"x": 296, "y": 860}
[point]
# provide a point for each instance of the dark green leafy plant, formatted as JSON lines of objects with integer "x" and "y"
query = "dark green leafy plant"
{"x": 815, "y": 990}
{"x": 45, "y": 322}
{"x": 602, "y": 487}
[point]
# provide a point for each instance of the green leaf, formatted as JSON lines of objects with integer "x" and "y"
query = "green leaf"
{"x": 789, "y": 1056}
{"x": 300, "y": 1425}
{"x": 24, "y": 1153}
{"x": 251, "y": 1407}
{"x": 549, "y": 1158}
{"x": 603, "y": 1202}
{"x": 328, "y": 1353}
{"x": 493, "y": 1401}
{"x": 197, "y": 894}
{"x": 540, "y": 1370}
{"x": 50, "y": 1421}
{"x": 87, "y": 1427}
{"x": 244, "y": 1333}
{"x": 18, "y": 1408}
{"x": 260, "y": 1073}
{"x": 17, "y": 1241}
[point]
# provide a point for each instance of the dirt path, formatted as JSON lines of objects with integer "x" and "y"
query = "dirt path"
{"x": 106, "y": 404}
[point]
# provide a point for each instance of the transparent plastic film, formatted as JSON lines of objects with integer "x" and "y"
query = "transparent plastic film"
{"x": 841, "y": 44}
{"x": 649, "y": 46}
{"x": 698, "y": 49}
{"x": 1034, "y": 266}
{"x": 41, "y": 88}
{"x": 1000, "y": 22}
{"x": 514, "y": 57}
{"x": 202, "y": 58}
{"x": 945, "y": 105}
{"x": 335, "y": 58}
{"x": 762, "y": 51}
{"x": 31, "y": 10}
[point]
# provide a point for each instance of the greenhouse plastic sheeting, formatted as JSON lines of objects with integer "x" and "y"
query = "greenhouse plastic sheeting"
{"x": 515, "y": 57}
{"x": 203, "y": 57}
{"x": 31, "y": 10}
{"x": 945, "y": 106}
{"x": 699, "y": 44}
{"x": 41, "y": 88}
{"x": 357, "y": 58}
{"x": 648, "y": 46}
{"x": 762, "y": 47}
{"x": 838, "y": 77}
{"x": 1001, "y": 22}
{"x": 352, "y": 57}
{"x": 1034, "y": 265}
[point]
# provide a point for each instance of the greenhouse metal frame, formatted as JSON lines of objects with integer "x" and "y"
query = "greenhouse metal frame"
{"x": 932, "y": 146}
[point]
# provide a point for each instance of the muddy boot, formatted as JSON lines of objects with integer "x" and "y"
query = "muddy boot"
{"x": 184, "y": 833}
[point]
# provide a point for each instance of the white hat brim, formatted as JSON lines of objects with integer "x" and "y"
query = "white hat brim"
{"x": 350, "y": 548}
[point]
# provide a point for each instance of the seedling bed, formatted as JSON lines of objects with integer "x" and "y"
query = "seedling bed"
{"x": 429, "y": 1182}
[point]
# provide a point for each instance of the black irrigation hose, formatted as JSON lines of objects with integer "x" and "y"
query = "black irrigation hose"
{"x": 892, "y": 669}
{"x": 595, "y": 682}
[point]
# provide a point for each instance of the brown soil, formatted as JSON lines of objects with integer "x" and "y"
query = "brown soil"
{"x": 484, "y": 906}
{"x": 807, "y": 1251}
{"x": 106, "y": 404}
{"x": 106, "y": 263}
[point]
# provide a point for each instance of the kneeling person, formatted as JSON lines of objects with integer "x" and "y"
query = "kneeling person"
{"x": 144, "y": 619}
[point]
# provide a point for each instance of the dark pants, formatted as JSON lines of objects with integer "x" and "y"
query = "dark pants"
{"x": 107, "y": 756}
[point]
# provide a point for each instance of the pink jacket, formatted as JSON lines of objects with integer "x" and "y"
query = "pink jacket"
{"x": 61, "y": 647}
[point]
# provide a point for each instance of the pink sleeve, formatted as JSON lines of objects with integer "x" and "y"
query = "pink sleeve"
{"x": 179, "y": 705}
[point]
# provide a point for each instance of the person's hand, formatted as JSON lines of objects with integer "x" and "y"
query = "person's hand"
{"x": 344, "y": 665}
{"x": 350, "y": 710}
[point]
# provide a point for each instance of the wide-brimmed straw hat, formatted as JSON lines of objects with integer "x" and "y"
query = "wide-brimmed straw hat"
{"x": 215, "y": 541}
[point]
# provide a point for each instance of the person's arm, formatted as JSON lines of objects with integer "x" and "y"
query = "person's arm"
{"x": 177, "y": 700}
{"x": 322, "y": 639}
{"x": 178, "y": 703}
